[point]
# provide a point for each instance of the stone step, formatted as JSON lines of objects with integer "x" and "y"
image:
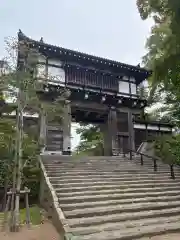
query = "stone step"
{"x": 125, "y": 225}
{"x": 119, "y": 185}
{"x": 120, "y": 171}
{"x": 101, "y": 197}
{"x": 106, "y": 198}
{"x": 70, "y": 175}
{"x": 151, "y": 164}
{"x": 104, "y": 166}
{"x": 110, "y": 180}
{"x": 159, "y": 166}
{"x": 88, "y": 169}
{"x": 55, "y": 159}
{"x": 99, "y": 168}
{"x": 74, "y": 181}
{"x": 137, "y": 207}
{"x": 121, "y": 217}
{"x": 135, "y": 233}
{"x": 116, "y": 188}
{"x": 106, "y": 163}
{"x": 112, "y": 176}
{"x": 101, "y": 162}
{"x": 122, "y": 190}
{"x": 104, "y": 203}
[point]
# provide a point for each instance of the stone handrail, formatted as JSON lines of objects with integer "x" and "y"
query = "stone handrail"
{"x": 61, "y": 218}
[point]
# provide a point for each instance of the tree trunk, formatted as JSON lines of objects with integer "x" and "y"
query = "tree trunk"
{"x": 12, "y": 220}
{"x": 5, "y": 192}
{"x": 42, "y": 128}
{"x": 19, "y": 170}
{"x": 19, "y": 160}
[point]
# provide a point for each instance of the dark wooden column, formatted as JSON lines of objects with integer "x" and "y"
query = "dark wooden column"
{"x": 131, "y": 131}
{"x": 67, "y": 128}
{"x": 112, "y": 131}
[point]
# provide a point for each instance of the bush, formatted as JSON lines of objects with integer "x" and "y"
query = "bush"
{"x": 31, "y": 179}
{"x": 168, "y": 148}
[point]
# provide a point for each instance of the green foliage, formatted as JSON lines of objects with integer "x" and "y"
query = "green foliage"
{"x": 163, "y": 47}
{"x": 31, "y": 171}
{"x": 21, "y": 84}
{"x": 168, "y": 148}
{"x": 34, "y": 213}
{"x": 91, "y": 142}
{"x": 7, "y": 142}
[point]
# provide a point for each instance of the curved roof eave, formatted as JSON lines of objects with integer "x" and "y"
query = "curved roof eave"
{"x": 138, "y": 70}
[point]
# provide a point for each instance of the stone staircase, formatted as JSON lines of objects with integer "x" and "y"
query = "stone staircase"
{"x": 113, "y": 198}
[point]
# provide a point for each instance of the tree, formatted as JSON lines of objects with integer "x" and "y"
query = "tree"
{"x": 163, "y": 47}
{"x": 167, "y": 148}
{"x": 21, "y": 84}
{"x": 7, "y": 139}
{"x": 91, "y": 142}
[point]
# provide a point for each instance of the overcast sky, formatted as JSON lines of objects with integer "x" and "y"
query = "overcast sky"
{"x": 111, "y": 29}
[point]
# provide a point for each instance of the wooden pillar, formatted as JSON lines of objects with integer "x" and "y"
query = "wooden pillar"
{"x": 112, "y": 131}
{"x": 67, "y": 129}
{"x": 131, "y": 131}
{"x": 121, "y": 149}
{"x": 42, "y": 189}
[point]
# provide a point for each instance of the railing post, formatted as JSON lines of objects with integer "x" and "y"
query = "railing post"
{"x": 172, "y": 171}
{"x": 155, "y": 165}
{"x": 142, "y": 162}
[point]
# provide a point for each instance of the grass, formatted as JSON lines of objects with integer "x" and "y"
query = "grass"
{"x": 35, "y": 215}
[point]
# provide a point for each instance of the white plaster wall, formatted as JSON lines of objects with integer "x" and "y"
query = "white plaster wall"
{"x": 57, "y": 74}
{"x": 140, "y": 126}
{"x": 133, "y": 89}
{"x": 124, "y": 87}
{"x": 151, "y": 127}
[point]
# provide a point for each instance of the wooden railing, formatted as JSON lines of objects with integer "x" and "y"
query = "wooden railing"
{"x": 153, "y": 159}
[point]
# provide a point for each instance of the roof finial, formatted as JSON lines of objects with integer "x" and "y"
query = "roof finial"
{"x": 139, "y": 65}
{"x": 41, "y": 40}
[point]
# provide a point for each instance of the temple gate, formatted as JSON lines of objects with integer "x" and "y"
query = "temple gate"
{"x": 101, "y": 91}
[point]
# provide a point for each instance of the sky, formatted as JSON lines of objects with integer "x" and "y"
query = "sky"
{"x": 111, "y": 29}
